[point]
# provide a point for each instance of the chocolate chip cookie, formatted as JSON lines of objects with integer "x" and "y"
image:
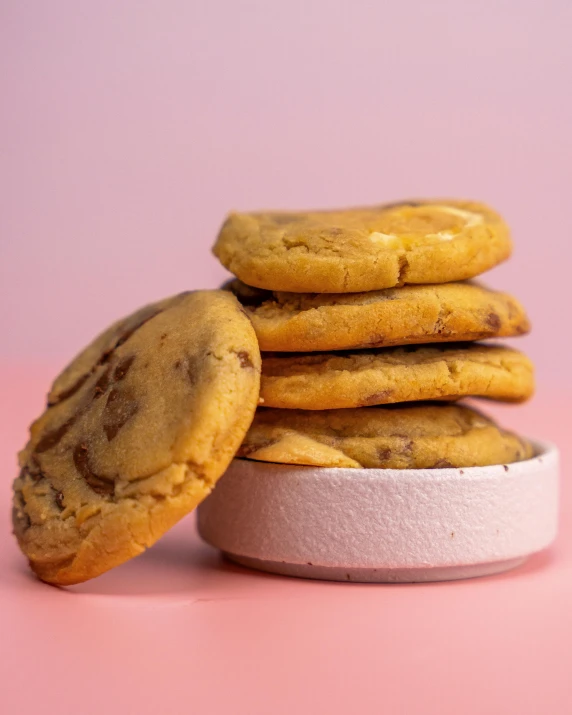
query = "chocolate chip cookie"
{"x": 327, "y": 381}
{"x": 392, "y": 437}
{"x": 363, "y": 249}
{"x": 136, "y": 432}
{"x": 307, "y": 322}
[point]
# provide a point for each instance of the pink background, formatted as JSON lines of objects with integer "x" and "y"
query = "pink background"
{"x": 128, "y": 129}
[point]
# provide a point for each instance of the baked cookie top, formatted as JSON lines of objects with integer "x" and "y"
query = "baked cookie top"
{"x": 137, "y": 430}
{"x": 307, "y": 322}
{"x": 363, "y": 249}
{"x": 394, "y": 437}
{"x": 328, "y": 381}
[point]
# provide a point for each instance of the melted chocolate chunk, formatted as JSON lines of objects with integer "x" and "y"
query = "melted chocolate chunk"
{"x": 119, "y": 409}
{"x": 244, "y": 359}
{"x": 33, "y": 470}
{"x": 377, "y": 398}
{"x": 53, "y": 437}
{"x": 147, "y": 315}
{"x": 123, "y": 368}
{"x": 100, "y": 485}
{"x": 102, "y": 384}
{"x": 128, "y": 330}
{"x": 248, "y": 449}
{"x": 493, "y": 321}
{"x": 71, "y": 390}
{"x": 383, "y": 454}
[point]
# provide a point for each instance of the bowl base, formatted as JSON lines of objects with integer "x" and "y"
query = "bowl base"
{"x": 381, "y": 575}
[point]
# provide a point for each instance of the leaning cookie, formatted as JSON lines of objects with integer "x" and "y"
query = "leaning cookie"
{"x": 307, "y": 322}
{"x": 328, "y": 381}
{"x": 363, "y": 249}
{"x": 396, "y": 437}
{"x": 137, "y": 431}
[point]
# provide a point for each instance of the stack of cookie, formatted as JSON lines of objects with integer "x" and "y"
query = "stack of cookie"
{"x": 369, "y": 332}
{"x": 143, "y": 422}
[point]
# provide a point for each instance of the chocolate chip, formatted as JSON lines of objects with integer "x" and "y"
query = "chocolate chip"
{"x": 247, "y": 295}
{"x": 377, "y": 398}
{"x": 100, "y": 485}
{"x": 145, "y": 315}
{"x": 383, "y": 454}
{"x": 53, "y": 437}
{"x": 102, "y": 384}
{"x": 123, "y": 368}
{"x": 70, "y": 391}
{"x": 493, "y": 321}
{"x": 119, "y": 409}
{"x": 246, "y": 450}
{"x": 406, "y": 446}
{"x": 192, "y": 365}
{"x": 244, "y": 359}
{"x": 59, "y": 499}
{"x": 32, "y": 470}
{"x": 505, "y": 466}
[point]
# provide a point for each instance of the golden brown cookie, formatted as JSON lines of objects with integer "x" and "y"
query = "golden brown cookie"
{"x": 328, "y": 381}
{"x": 391, "y": 437}
{"x": 363, "y": 249}
{"x": 307, "y": 322}
{"x": 137, "y": 430}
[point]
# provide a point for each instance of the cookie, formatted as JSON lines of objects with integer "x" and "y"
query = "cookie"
{"x": 137, "y": 430}
{"x": 363, "y": 249}
{"x": 328, "y": 381}
{"x": 393, "y": 437}
{"x": 307, "y": 322}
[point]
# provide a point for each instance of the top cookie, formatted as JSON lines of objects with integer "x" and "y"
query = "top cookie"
{"x": 363, "y": 249}
{"x": 137, "y": 430}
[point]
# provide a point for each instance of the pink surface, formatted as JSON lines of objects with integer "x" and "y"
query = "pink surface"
{"x": 128, "y": 129}
{"x": 178, "y": 630}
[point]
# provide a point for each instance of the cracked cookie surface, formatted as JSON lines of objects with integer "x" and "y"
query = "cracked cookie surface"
{"x": 409, "y": 315}
{"x": 328, "y": 381}
{"x": 137, "y": 430}
{"x": 363, "y": 249}
{"x": 394, "y": 437}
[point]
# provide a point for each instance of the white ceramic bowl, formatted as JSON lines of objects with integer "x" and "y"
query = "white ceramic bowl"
{"x": 402, "y": 525}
